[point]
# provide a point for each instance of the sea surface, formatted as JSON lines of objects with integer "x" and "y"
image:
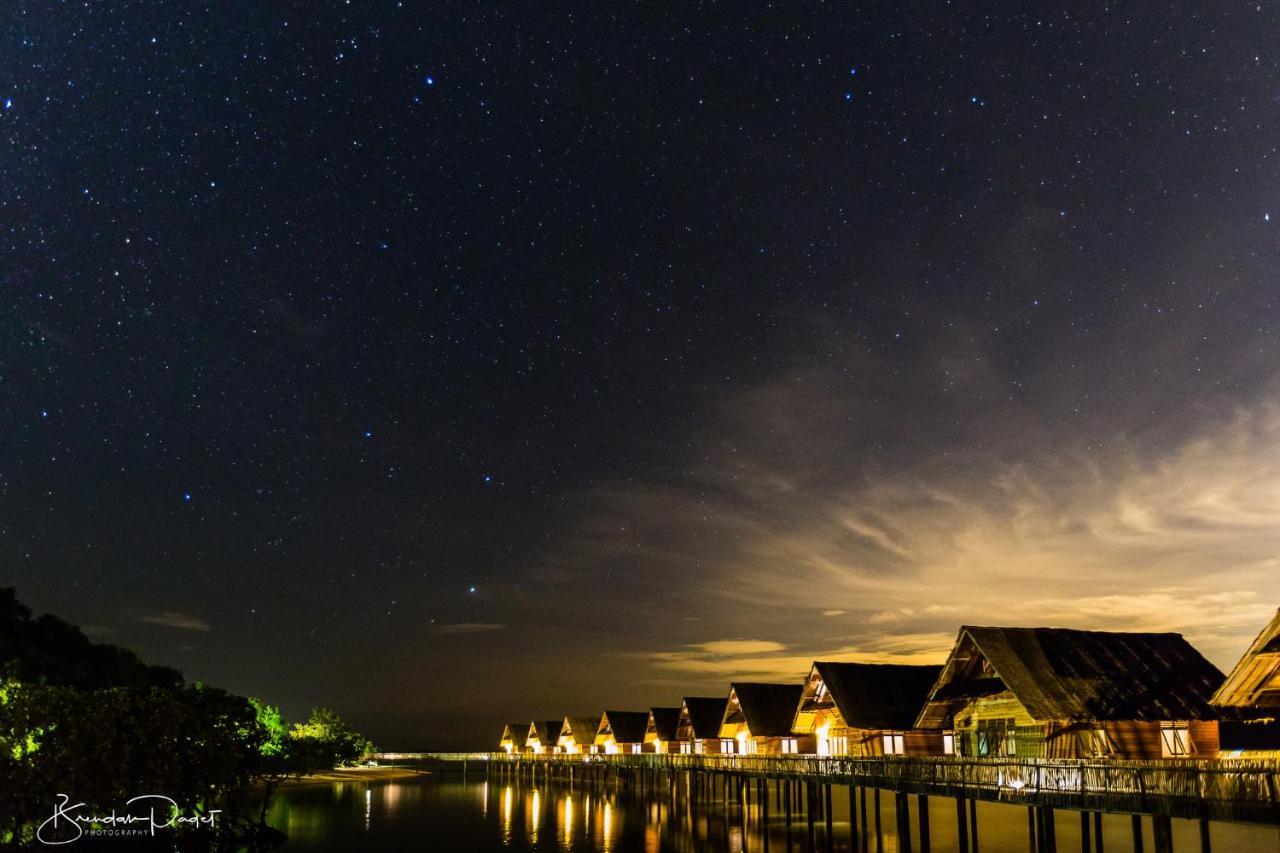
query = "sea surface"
{"x": 446, "y": 813}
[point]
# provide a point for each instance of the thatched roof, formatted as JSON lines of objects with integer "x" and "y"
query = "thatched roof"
{"x": 545, "y": 732}
{"x": 662, "y": 722}
{"x": 581, "y": 729}
{"x": 517, "y": 733}
{"x": 1255, "y": 681}
{"x": 1064, "y": 674}
{"x": 627, "y": 726}
{"x": 767, "y": 709}
{"x": 703, "y": 713}
{"x": 876, "y": 695}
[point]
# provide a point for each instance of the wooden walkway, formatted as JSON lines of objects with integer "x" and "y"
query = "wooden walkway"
{"x": 1226, "y": 790}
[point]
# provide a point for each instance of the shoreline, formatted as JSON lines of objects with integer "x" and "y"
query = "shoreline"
{"x": 357, "y": 774}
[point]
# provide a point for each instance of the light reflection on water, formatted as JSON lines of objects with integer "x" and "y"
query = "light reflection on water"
{"x": 432, "y": 813}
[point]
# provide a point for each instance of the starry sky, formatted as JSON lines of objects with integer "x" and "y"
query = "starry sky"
{"x": 448, "y": 363}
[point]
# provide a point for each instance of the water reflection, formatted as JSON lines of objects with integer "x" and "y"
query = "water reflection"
{"x": 514, "y": 816}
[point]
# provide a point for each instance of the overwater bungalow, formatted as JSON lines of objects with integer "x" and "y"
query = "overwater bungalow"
{"x": 1060, "y": 693}
{"x": 757, "y": 719}
{"x": 543, "y": 736}
{"x": 868, "y": 709}
{"x": 660, "y": 730}
{"x": 578, "y": 735}
{"x": 698, "y": 728}
{"x": 1250, "y": 699}
{"x": 621, "y": 732}
{"x": 515, "y": 737}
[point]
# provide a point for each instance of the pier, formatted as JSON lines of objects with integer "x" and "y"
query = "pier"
{"x": 801, "y": 786}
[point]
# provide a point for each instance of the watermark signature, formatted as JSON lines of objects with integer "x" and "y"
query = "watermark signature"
{"x": 143, "y": 815}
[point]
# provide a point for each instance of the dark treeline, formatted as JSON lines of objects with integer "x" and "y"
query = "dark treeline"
{"x": 97, "y": 724}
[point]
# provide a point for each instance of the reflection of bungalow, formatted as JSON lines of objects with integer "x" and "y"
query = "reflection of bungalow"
{"x": 621, "y": 732}
{"x": 698, "y": 728}
{"x": 868, "y": 709}
{"x": 543, "y": 736}
{"x": 578, "y": 734}
{"x": 660, "y": 730}
{"x": 514, "y": 737}
{"x": 1250, "y": 699}
{"x": 757, "y": 719}
{"x": 1059, "y": 693}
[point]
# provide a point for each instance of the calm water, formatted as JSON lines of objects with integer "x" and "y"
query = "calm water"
{"x": 440, "y": 814}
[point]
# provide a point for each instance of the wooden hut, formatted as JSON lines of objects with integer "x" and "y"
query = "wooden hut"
{"x": 1249, "y": 699}
{"x": 757, "y": 719}
{"x": 543, "y": 736}
{"x": 1059, "y": 693}
{"x": 868, "y": 709}
{"x": 515, "y": 737}
{"x": 698, "y": 727}
{"x": 660, "y": 731}
{"x": 578, "y": 735}
{"x": 621, "y": 732}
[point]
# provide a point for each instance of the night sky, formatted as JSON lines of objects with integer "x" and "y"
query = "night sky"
{"x": 447, "y": 364}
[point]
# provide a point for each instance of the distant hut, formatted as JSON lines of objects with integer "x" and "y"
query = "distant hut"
{"x": 757, "y": 719}
{"x": 868, "y": 709}
{"x": 543, "y": 736}
{"x": 621, "y": 732}
{"x": 515, "y": 737}
{"x": 1059, "y": 693}
{"x": 578, "y": 734}
{"x": 1250, "y": 699}
{"x": 660, "y": 729}
{"x": 698, "y": 728}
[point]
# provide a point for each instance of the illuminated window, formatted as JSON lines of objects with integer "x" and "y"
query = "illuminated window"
{"x": 949, "y": 743}
{"x": 686, "y": 748}
{"x": 635, "y": 748}
{"x": 1175, "y": 740}
{"x": 1094, "y": 742}
{"x": 726, "y": 746}
{"x": 893, "y": 744}
{"x": 790, "y": 746}
{"x": 698, "y": 747}
{"x": 839, "y": 746}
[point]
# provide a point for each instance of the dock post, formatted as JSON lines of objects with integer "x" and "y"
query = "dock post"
{"x": 1205, "y": 846}
{"x": 1097, "y": 832}
{"x": 1033, "y": 830}
{"x": 1085, "y": 846}
{"x": 1162, "y": 831}
{"x": 853, "y": 818}
{"x": 809, "y": 804}
{"x": 1050, "y": 844}
{"x": 786, "y": 803}
{"x": 973, "y": 825}
{"x": 922, "y": 801}
{"x": 879, "y": 834}
{"x": 962, "y": 824}
{"x": 1136, "y": 822}
{"x": 827, "y": 813}
{"x": 902, "y": 811}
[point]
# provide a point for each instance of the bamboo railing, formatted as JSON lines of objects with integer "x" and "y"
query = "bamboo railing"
{"x": 1246, "y": 790}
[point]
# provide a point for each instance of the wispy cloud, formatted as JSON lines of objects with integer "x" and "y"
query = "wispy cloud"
{"x": 173, "y": 619}
{"x": 468, "y": 628}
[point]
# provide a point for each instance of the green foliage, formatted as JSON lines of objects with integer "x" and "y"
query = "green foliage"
{"x": 104, "y": 737}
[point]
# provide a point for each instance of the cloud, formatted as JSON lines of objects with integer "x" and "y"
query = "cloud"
{"x": 173, "y": 619}
{"x": 468, "y": 628}
{"x": 800, "y": 499}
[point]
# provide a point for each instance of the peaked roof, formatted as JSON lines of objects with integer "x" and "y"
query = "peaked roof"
{"x": 664, "y": 721}
{"x": 768, "y": 708}
{"x": 705, "y": 714}
{"x": 1065, "y": 674}
{"x": 878, "y": 695}
{"x": 1255, "y": 680}
{"x": 628, "y": 726}
{"x": 545, "y": 732}
{"x": 517, "y": 733}
{"x": 583, "y": 729}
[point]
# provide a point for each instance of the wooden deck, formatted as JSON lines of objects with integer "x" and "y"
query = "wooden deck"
{"x": 1228, "y": 790}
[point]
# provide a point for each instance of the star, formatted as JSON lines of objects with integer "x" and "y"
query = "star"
{"x": 429, "y": 80}
{"x": 186, "y": 497}
{"x": 471, "y": 589}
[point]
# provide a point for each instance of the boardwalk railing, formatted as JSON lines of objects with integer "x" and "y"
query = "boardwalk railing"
{"x": 1221, "y": 789}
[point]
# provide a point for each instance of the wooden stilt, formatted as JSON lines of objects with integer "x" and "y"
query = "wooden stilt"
{"x": 962, "y": 825}
{"x": 1136, "y": 822}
